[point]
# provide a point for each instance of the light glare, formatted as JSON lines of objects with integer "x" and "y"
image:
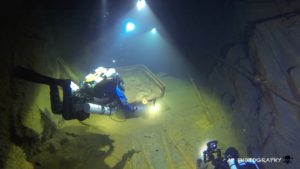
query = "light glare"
{"x": 130, "y": 27}
{"x": 154, "y": 109}
{"x": 144, "y": 101}
{"x": 201, "y": 150}
{"x": 153, "y": 30}
{"x": 140, "y": 4}
{"x": 74, "y": 86}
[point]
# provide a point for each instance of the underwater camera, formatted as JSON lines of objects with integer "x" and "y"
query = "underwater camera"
{"x": 212, "y": 154}
{"x": 211, "y": 150}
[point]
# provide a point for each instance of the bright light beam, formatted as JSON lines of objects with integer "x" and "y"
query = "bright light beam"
{"x": 154, "y": 110}
{"x": 130, "y": 27}
{"x": 153, "y": 31}
{"x": 140, "y": 4}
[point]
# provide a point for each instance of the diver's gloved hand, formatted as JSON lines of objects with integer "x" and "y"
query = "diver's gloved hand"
{"x": 137, "y": 110}
{"x": 139, "y": 107}
{"x": 134, "y": 109}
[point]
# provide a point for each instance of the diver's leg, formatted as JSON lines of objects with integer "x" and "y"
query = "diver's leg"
{"x": 67, "y": 101}
{"x": 67, "y": 108}
{"x": 56, "y": 104}
{"x": 64, "y": 108}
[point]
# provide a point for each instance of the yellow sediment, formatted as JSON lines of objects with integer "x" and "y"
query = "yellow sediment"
{"x": 167, "y": 151}
{"x": 181, "y": 152}
{"x": 149, "y": 164}
{"x": 201, "y": 100}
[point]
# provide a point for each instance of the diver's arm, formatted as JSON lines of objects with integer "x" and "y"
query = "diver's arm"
{"x": 120, "y": 82}
{"x": 231, "y": 163}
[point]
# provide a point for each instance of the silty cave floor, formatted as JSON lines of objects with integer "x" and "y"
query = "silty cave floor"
{"x": 188, "y": 118}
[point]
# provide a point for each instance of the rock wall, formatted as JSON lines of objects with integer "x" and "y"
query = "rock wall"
{"x": 26, "y": 120}
{"x": 261, "y": 85}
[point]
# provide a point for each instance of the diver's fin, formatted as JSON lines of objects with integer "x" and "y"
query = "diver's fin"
{"x": 32, "y": 76}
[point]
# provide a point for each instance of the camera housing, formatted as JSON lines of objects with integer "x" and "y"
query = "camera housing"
{"x": 212, "y": 149}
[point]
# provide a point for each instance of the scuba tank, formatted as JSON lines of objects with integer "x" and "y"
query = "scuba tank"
{"x": 97, "y": 109}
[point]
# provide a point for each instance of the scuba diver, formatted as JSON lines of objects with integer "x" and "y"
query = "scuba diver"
{"x": 229, "y": 161}
{"x": 102, "y": 92}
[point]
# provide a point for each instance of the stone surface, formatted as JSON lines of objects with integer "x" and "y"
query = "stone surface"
{"x": 265, "y": 106}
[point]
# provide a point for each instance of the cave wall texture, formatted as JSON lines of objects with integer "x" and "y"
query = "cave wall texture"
{"x": 261, "y": 87}
{"x": 258, "y": 67}
{"x": 30, "y": 38}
